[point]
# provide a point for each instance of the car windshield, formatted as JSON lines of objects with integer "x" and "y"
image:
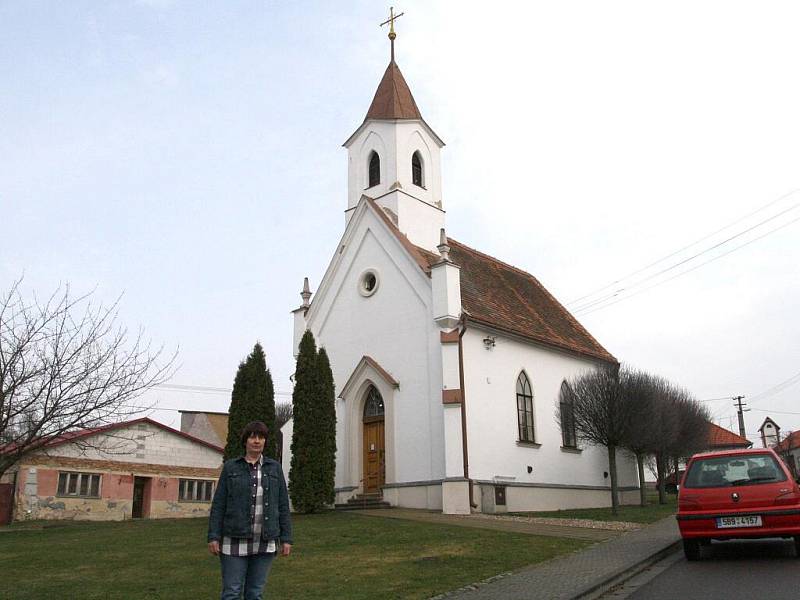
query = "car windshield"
{"x": 723, "y": 471}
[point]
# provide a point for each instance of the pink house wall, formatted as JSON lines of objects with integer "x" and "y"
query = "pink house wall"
{"x": 165, "y": 489}
{"x": 47, "y": 482}
{"x": 117, "y": 487}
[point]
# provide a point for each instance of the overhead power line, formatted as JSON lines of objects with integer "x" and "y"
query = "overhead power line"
{"x": 793, "y": 380}
{"x": 600, "y": 298}
{"x": 202, "y": 389}
{"x": 777, "y": 412}
{"x": 715, "y": 399}
{"x": 687, "y": 271}
{"x": 695, "y": 243}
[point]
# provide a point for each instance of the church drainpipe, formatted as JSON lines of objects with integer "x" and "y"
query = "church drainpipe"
{"x": 464, "y": 407}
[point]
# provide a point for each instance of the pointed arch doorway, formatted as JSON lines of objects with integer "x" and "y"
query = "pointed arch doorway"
{"x": 374, "y": 442}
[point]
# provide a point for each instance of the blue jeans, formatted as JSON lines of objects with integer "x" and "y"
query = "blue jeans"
{"x": 246, "y": 574}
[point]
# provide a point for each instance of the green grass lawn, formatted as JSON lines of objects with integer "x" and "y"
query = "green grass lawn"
{"x": 632, "y": 514}
{"x": 336, "y": 555}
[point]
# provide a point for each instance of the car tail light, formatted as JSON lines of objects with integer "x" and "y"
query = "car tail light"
{"x": 687, "y": 502}
{"x": 788, "y": 497}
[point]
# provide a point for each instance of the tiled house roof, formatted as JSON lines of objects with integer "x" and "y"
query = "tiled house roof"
{"x": 393, "y": 99}
{"x": 791, "y": 442}
{"x": 78, "y": 434}
{"x": 719, "y": 437}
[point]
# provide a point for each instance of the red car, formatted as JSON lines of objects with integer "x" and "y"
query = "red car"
{"x": 737, "y": 494}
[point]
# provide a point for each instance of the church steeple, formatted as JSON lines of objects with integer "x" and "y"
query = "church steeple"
{"x": 393, "y": 98}
{"x": 394, "y": 158}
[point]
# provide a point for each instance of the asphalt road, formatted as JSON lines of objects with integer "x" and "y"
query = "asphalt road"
{"x": 749, "y": 570}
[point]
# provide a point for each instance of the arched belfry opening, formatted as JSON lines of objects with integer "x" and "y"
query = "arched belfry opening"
{"x": 374, "y": 169}
{"x": 374, "y": 441}
{"x": 417, "y": 172}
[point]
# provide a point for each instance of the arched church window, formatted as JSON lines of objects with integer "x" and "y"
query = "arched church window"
{"x": 374, "y": 169}
{"x": 525, "y": 409}
{"x": 373, "y": 407}
{"x": 416, "y": 169}
{"x": 567, "y": 417}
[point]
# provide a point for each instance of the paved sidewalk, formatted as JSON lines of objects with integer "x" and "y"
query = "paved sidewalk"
{"x": 583, "y": 574}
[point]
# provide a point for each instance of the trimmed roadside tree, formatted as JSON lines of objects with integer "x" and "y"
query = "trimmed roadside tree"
{"x": 252, "y": 399}
{"x": 637, "y": 396}
{"x": 601, "y": 417}
{"x": 680, "y": 429}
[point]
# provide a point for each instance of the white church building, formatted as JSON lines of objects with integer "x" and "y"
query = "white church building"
{"x": 448, "y": 363}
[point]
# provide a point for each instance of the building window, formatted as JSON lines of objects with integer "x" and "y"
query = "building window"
{"x": 567, "y": 412}
{"x": 80, "y": 485}
{"x": 195, "y": 490}
{"x": 525, "y": 409}
{"x": 374, "y": 169}
{"x": 416, "y": 170}
{"x": 373, "y": 407}
{"x": 368, "y": 282}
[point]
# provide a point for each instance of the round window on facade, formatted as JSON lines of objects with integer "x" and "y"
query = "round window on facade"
{"x": 368, "y": 283}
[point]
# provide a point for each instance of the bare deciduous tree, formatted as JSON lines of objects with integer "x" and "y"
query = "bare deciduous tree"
{"x": 66, "y": 364}
{"x": 638, "y": 398}
{"x": 601, "y": 417}
{"x": 283, "y": 412}
{"x": 681, "y": 429}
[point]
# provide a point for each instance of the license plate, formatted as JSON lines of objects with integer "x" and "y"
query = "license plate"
{"x": 749, "y": 521}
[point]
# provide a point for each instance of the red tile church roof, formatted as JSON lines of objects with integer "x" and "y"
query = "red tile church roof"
{"x": 506, "y": 298}
{"x": 503, "y": 297}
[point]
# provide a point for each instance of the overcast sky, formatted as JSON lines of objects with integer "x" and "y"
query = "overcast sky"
{"x": 188, "y": 155}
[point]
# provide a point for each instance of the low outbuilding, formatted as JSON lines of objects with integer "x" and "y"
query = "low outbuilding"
{"x": 133, "y": 469}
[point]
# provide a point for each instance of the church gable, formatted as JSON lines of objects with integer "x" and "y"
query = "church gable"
{"x": 372, "y": 259}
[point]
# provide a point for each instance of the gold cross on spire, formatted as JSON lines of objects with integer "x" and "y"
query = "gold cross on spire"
{"x": 390, "y": 21}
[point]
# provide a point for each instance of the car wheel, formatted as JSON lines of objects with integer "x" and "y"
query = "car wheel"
{"x": 797, "y": 545}
{"x": 691, "y": 548}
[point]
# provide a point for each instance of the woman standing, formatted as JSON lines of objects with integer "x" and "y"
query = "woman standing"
{"x": 249, "y": 521}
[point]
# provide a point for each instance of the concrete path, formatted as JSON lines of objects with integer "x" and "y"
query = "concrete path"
{"x": 584, "y": 574}
{"x": 581, "y": 533}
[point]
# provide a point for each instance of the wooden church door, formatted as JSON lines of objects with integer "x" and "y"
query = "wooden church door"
{"x": 374, "y": 443}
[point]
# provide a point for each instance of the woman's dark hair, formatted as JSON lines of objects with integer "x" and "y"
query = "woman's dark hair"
{"x": 252, "y": 427}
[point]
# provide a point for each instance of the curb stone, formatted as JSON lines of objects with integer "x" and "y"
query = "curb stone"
{"x": 603, "y": 587}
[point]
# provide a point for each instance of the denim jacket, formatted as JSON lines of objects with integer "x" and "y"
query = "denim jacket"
{"x": 230, "y": 509}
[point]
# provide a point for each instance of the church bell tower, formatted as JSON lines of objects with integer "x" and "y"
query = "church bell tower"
{"x": 394, "y": 158}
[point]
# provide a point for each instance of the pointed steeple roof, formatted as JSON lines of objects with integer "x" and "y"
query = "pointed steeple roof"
{"x": 393, "y": 99}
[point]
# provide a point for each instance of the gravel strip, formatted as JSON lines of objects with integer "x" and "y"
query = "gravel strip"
{"x": 585, "y": 523}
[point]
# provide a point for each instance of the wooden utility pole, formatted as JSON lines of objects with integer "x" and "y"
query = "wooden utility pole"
{"x": 738, "y": 402}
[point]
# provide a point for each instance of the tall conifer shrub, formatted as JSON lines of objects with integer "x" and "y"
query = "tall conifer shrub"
{"x": 314, "y": 431}
{"x": 327, "y": 426}
{"x": 252, "y": 399}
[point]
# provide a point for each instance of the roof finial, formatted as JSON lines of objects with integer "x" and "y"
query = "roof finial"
{"x": 390, "y": 21}
{"x": 306, "y": 293}
{"x": 443, "y": 247}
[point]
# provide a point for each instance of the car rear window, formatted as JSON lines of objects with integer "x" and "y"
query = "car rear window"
{"x": 723, "y": 471}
